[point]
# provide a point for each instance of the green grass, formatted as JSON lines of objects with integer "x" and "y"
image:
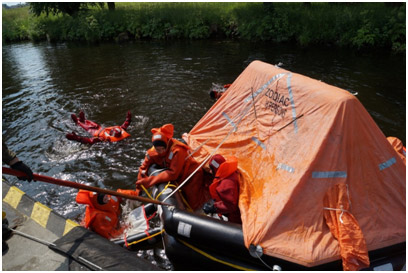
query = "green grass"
{"x": 354, "y": 25}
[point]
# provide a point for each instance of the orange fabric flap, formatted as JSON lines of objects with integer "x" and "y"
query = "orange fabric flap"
{"x": 345, "y": 229}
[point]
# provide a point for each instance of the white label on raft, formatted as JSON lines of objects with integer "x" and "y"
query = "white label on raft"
{"x": 184, "y": 229}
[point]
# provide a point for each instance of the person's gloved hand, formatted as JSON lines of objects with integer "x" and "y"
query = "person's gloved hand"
{"x": 20, "y": 166}
{"x": 129, "y": 116}
{"x": 209, "y": 207}
{"x": 143, "y": 182}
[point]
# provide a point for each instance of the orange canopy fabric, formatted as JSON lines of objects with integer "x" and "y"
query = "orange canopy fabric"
{"x": 345, "y": 229}
{"x": 295, "y": 138}
{"x": 398, "y": 146}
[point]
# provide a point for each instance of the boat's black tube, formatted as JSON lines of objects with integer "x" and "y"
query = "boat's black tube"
{"x": 201, "y": 229}
{"x": 227, "y": 239}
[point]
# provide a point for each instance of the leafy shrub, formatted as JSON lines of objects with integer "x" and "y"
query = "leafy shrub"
{"x": 357, "y": 25}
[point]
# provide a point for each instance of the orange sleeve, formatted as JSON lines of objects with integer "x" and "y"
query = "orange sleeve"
{"x": 174, "y": 171}
{"x": 145, "y": 166}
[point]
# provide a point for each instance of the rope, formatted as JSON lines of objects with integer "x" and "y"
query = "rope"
{"x": 214, "y": 258}
{"x": 181, "y": 196}
{"x": 33, "y": 238}
{"x": 341, "y": 207}
{"x": 168, "y": 185}
{"x": 147, "y": 192}
{"x": 198, "y": 147}
{"x": 259, "y": 257}
{"x": 55, "y": 247}
{"x": 146, "y": 238}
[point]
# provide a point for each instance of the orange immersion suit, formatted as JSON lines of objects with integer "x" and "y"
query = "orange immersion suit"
{"x": 109, "y": 134}
{"x": 104, "y": 134}
{"x": 102, "y": 219}
{"x": 178, "y": 168}
{"x": 225, "y": 190}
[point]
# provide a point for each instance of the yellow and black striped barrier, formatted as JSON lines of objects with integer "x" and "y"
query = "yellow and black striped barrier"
{"x": 38, "y": 212}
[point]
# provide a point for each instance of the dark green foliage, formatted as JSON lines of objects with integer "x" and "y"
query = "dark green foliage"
{"x": 55, "y": 8}
{"x": 354, "y": 25}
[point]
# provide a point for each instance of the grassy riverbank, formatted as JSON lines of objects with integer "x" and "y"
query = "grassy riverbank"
{"x": 354, "y": 25}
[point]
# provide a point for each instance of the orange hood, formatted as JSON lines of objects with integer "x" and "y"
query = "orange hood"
{"x": 164, "y": 133}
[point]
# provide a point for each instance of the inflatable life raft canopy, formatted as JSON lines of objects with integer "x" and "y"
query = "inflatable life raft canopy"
{"x": 315, "y": 167}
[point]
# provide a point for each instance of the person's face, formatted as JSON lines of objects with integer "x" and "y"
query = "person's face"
{"x": 106, "y": 199}
{"x": 160, "y": 149}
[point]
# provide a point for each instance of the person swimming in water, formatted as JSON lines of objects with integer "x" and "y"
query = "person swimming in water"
{"x": 99, "y": 134}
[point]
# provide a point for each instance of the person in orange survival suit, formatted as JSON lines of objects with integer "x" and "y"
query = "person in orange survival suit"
{"x": 172, "y": 154}
{"x": 110, "y": 134}
{"x": 101, "y": 214}
{"x": 225, "y": 188}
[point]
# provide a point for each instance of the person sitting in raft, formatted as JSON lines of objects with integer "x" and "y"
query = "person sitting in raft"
{"x": 110, "y": 134}
{"x": 172, "y": 155}
{"x": 102, "y": 213}
{"x": 225, "y": 188}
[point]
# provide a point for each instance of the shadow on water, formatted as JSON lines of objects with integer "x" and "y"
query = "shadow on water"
{"x": 160, "y": 82}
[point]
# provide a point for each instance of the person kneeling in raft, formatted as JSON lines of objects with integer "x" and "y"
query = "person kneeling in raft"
{"x": 110, "y": 134}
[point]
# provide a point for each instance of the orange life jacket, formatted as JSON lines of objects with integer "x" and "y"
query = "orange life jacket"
{"x": 102, "y": 219}
{"x": 165, "y": 160}
{"x": 194, "y": 190}
{"x": 104, "y": 134}
{"x": 226, "y": 169}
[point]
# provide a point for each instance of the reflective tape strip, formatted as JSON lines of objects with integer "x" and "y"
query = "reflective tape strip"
{"x": 230, "y": 121}
{"x": 285, "y": 167}
{"x": 387, "y": 163}
{"x": 69, "y": 224}
{"x": 292, "y": 102}
{"x": 257, "y": 92}
{"x": 259, "y": 143}
{"x": 337, "y": 174}
{"x": 171, "y": 156}
{"x": 40, "y": 214}
{"x": 13, "y": 196}
{"x": 157, "y": 137}
{"x": 215, "y": 164}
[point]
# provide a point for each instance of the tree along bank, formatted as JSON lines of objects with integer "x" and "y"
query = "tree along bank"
{"x": 354, "y": 25}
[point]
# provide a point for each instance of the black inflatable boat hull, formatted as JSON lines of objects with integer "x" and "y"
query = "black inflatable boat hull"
{"x": 213, "y": 244}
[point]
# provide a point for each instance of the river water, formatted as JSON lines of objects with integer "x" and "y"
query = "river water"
{"x": 160, "y": 82}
